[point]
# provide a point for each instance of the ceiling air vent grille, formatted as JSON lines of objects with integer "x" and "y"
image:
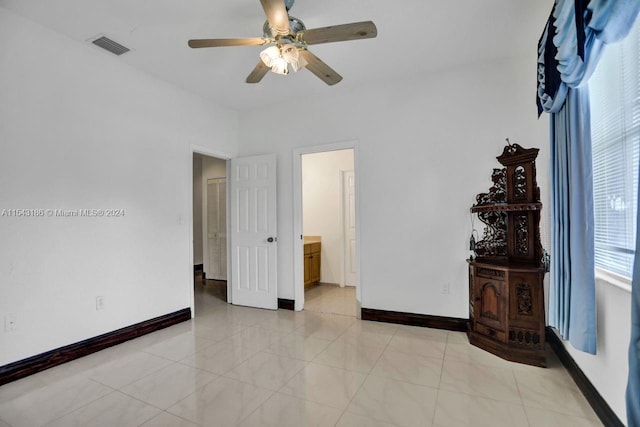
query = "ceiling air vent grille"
{"x": 108, "y": 44}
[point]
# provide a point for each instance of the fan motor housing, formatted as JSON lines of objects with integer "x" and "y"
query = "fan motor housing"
{"x": 295, "y": 26}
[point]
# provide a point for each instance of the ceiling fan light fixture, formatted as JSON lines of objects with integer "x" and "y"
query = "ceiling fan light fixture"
{"x": 292, "y": 56}
{"x": 280, "y": 66}
{"x": 279, "y": 57}
{"x": 270, "y": 55}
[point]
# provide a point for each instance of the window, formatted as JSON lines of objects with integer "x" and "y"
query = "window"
{"x": 615, "y": 131}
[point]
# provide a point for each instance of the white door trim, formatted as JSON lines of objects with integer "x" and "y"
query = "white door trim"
{"x": 344, "y": 209}
{"x": 298, "y": 261}
{"x": 196, "y": 149}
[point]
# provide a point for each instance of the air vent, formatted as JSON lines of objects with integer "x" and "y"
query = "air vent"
{"x": 108, "y": 44}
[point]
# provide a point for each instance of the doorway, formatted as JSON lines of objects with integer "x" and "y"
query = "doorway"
{"x": 325, "y": 202}
{"x": 209, "y": 231}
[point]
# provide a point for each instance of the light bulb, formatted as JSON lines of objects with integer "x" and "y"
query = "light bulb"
{"x": 279, "y": 66}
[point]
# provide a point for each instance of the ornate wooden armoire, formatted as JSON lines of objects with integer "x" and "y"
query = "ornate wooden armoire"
{"x": 506, "y": 294}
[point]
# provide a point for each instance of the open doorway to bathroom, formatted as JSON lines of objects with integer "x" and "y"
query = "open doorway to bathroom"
{"x": 329, "y": 237}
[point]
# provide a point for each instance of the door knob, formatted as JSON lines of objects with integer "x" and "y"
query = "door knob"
{"x": 270, "y": 240}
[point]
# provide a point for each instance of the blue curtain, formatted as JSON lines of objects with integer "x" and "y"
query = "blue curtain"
{"x": 572, "y": 294}
{"x": 568, "y": 52}
{"x": 633, "y": 385}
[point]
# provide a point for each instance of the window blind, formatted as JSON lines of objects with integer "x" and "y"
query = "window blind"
{"x": 615, "y": 131}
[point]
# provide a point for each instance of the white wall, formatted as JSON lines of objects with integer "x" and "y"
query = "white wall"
{"x": 79, "y": 129}
{"x": 322, "y": 207}
{"x": 427, "y": 145}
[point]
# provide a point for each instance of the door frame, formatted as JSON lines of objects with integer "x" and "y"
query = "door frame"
{"x": 298, "y": 248}
{"x": 343, "y": 224}
{"x": 196, "y": 149}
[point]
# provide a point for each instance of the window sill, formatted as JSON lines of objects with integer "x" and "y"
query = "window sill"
{"x": 613, "y": 279}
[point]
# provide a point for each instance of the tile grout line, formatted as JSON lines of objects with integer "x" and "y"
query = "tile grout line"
{"x": 367, "y": 377}
{"x": 444, "y": 355}
{"x": 164, "y": 411}
{"x": 306, "y": 364}
{"x": 258, "y": 407}
{"x": 524, "y": 409}
{"x": 113, "y": 390}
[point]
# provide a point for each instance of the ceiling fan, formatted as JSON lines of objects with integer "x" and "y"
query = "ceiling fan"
{"x": 288, "y": 39}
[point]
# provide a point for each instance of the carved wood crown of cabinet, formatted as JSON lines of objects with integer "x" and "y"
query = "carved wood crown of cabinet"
{"x": 506, "y": 294}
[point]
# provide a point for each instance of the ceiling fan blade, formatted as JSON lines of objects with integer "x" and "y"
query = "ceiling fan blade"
{"x": 258, "y": 73}
{"x": 320, "y": 69}
{"x": 338, "y": 33}
{"x": 276, "y": 15}
{"x": 227, "y": 42}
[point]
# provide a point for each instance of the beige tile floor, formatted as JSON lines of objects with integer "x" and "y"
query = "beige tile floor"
{"x": 327, "y": 298}
{"x": 240, "y": 366}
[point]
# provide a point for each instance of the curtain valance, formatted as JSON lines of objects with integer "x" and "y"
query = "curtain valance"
{"x": 572, "y": 42}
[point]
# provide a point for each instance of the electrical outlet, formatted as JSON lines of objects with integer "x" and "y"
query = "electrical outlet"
{"x": 445, "y": 289}
{"x": 99, "y": 303}
{"x": 10, "y": 323}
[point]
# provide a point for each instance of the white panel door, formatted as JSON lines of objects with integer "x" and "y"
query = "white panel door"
{"x": 217, "y": 228}
{"x": 349, "y": 221}
{"x": 253, "y": 231}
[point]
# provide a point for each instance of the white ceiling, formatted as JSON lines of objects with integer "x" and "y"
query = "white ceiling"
{"x": 414, "y": 37}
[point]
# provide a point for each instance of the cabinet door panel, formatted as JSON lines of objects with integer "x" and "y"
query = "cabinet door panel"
{"x": 526, "y": 306}
{"x": 307, "y": 270}
{"x": 490, "y": 304}
{"x": 315, "y": 267}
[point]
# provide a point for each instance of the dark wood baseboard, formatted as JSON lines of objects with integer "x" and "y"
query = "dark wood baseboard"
{"x": 286, "y": 304}
{"x": 599, "y": 405}
{"x": 198, "y": 267}
{"x": 438, "y": 322}
{"x": 23, "y": 368}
